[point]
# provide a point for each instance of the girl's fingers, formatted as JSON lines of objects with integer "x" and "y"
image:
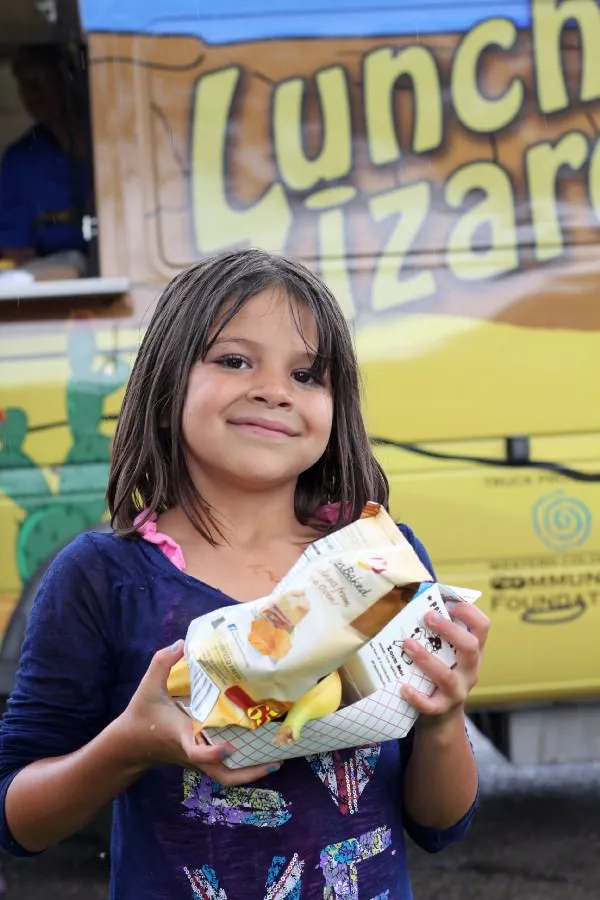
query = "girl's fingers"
{"x": 442, "y": 676}
{"x": 160, "y": 664}
{"x": 468, "y": 643}
{"x": 246, "y": 775}
{"x": 436, "y": 705}
{"x": 476, "y": 621}
{"x": 211, "y": 759}
{"x": 201, "y": 754}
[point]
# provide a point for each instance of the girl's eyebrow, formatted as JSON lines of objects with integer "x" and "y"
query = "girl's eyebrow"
{"x": 254, "y": 345}
{"x": 225, "y": 339}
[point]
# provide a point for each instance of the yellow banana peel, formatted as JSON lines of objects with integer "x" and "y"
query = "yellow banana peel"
{"x": 322, "y": 700}
{"x": 178, "y": 682}
{"x": 178, "y": 685}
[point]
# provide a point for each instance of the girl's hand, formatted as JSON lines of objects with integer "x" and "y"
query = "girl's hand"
{"x": 452, "y": 685}
{"x": 155, "y": 731}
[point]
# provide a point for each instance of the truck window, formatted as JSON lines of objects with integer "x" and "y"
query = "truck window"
{"x": 48, "y": 245}
{"x": 46, "y": 173}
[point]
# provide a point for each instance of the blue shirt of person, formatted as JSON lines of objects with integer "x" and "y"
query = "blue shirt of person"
{"x": 42, "y": 190}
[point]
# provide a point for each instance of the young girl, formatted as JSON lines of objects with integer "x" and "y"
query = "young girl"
{"x": 240, "y": 441}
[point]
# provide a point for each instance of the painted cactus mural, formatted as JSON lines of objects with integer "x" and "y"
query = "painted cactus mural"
{"x": 52, "y": 516}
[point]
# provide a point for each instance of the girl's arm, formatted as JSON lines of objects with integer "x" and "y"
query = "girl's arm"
{"x": 440, "y": 782}
{"x": 67, "y": 746}
{"x": 51, "y": 799}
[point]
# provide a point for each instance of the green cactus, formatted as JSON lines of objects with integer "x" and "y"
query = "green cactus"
{"x": 87, "y": 390}
{"x": 44, "y": 531}
{"x": 51, "y": 520}
{"x": 21, "y": 478}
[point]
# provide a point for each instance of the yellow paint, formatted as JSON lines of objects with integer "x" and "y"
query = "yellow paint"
{"x": 217, "y": 223}
{"x": 334, "y": 159}
{"x": 497, "y": 210}
{"x": 594, "y": 179}
{"x": 549, "y": 18}
{"x": 500, "y": 360}
{"x": 382, "y": 69}
{"x": 477, "y": 112}
{"x": 544, "y": 162}
{"x": 408, "y": 207}
{"x": 393, "y": 219}
{"x": 331, "y": 243}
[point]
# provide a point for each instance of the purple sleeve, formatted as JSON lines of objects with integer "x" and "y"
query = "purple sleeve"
{"x": 432, "y": 840}
{"x": 419, "y": 547}
{"x": 60, "y": 699}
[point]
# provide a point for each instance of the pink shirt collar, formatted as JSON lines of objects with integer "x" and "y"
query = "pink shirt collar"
{"x": 145, "y": 523}
{"x": 146, "y": 526}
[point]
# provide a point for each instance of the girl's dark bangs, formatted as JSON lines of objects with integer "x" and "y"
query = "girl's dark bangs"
{"x": 321, "y": 354}
{"x": 212, "y": 335}
{"x": 296, "y": 293}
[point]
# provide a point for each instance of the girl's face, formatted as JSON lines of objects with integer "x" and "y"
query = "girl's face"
{"x": 254, "y": 416}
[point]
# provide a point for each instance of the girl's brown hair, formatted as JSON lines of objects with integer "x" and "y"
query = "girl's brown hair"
{"x": 148, "y": 469}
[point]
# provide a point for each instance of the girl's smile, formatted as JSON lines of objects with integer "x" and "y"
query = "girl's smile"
{"x": 255, "y": 409}
{"x": 264, "y": 428}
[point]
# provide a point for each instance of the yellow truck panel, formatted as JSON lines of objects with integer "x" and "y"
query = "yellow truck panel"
{"x": 442, "y": 172}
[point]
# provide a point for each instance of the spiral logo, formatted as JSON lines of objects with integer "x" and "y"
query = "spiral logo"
{"x": 561, "y": 522}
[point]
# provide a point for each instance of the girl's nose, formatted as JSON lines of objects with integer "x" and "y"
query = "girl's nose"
{"x": 272, "y": 391}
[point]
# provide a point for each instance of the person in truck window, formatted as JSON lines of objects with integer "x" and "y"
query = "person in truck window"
{"x": 44, "y": 181}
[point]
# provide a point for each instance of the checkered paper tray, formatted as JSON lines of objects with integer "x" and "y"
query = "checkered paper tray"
{"x": 381, "y": 716}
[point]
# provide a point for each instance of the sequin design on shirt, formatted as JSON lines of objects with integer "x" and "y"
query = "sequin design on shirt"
{"x": 284, "y": 881}
{"x": 345, "y": 774}
{"x": 205, "y": 884}
{"x": 339, "y": 863}
{"x": 217, "y": 805}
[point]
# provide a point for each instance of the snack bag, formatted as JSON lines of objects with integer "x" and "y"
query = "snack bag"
{"x": 249, "y": 663}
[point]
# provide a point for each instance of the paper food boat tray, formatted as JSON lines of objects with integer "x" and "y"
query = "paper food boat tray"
{"x": 382, "y": 716}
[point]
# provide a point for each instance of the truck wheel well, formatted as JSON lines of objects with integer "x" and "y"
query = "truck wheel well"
{"x": 10, "y": 649}
{"x": 494, "y": 726}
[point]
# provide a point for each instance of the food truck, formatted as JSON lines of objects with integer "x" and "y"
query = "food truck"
{"x": 441, "y": 171}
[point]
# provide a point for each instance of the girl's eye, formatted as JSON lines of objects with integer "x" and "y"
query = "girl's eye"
{"x": 305, "y": 376}
{"x": 232, "y": 362}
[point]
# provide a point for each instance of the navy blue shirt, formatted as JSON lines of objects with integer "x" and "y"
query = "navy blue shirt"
{"x": 41, "y": 189}
{"x": 330, "y": 825}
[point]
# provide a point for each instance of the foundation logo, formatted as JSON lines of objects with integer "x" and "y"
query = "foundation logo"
{"x": 561, "y": 522}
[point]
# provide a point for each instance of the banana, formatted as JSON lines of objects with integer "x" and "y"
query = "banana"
{"x": 178, "y": 685}
{"x": 178, "y": 682}
{"x": 324, "y": 698}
